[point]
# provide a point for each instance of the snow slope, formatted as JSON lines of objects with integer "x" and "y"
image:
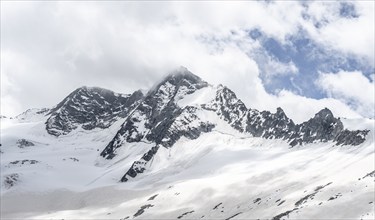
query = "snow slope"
{"x": 223, "y": 174}
{"x": 183, "y": 150}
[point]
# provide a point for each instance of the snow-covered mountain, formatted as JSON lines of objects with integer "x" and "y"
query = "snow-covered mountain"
{"x": 89, "y": 108}
{"x": 183, "y": 150}
{"x": 32, "y": 115}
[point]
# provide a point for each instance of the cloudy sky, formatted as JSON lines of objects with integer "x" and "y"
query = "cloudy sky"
{"x": 300, "y": 56}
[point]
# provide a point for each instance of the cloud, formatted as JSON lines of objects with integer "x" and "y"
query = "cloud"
{"x": 301, "y": 108}
{"x": 272, "y": 68}
{"x": 51, "y": 48}
{"x": 352, "y": 88}
{"x": 351, "y": 35}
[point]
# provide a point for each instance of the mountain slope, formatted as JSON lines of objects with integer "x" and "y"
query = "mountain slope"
{"x": 89, "y": 107}
{"x": 161, "y": 120}
{"x": 217, "y": 175}
{"x": 151, "y": 119}
{"x": 186, "y": 150}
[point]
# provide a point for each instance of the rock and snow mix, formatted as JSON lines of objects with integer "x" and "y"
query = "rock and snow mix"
{"x": 184, "y": 150}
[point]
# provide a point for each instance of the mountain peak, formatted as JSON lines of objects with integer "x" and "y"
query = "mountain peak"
{"x": 280, "y": 112}
{"x": 89, "y": 108}
{"x": 324, "y": 113}
{"x": 181, "y": 70}
{"x": 180, "y": 78}
{"x": 91, "y": 89}
{"x": 32, "y": 114}
{"x": 182, "y": 73}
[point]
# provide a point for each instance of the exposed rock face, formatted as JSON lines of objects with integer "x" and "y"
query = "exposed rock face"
{"x": 228, "y": 107}
{"x": 11, "y": 180}
{"x": 23, "y": 162}
{"x": 323, "y": 127}
{"x": 187, "y": 124}
{"x": 347, "y": 137}
{"x": 268, "y": 125}
{"x": 90, "y": 108}
{"x": 21, "y": 143}
{"x": 259, "y": 124}
{"x": 139, "y": 166}
{"x": 153, "y": 118}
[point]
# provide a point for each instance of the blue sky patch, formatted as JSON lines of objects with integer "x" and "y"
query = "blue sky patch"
{"x": 308, "y": 56}
{"x": 348, "y": 10}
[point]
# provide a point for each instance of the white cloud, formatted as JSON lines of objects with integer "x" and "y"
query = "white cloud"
{"x": 352, "y": 88}
{"x": 273, "y": 68}
{"x": 301, "y": 108}
{"x": 51, "y": 48}
{"x": 353, "y": 36}
{"x": 7, "y": 101}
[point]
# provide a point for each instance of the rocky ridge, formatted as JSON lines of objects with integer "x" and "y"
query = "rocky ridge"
{"x": 159, "y": 119}
{"x": 89, "y": 108}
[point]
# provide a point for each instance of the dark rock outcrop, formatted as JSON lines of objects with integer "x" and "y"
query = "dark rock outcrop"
{"x": 346, "y": 137}
{"x": 142, "y": 210}
{"x": 228, "y": 107}
{"x": 322, "y": 127}
{"x": 268, "y": 125}
{"x": 188, "y": 125}
{"x": 11, "y": 180}
{"x": 23, "y": 162}
{"x": 153, "y": 118}
{"x": 22, "y": 143}
{"x": 139, "y": 166}
{"x": 90, "y": 107}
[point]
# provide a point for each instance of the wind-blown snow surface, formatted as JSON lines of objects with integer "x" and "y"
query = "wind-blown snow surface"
{"x": 223, "y": 174}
